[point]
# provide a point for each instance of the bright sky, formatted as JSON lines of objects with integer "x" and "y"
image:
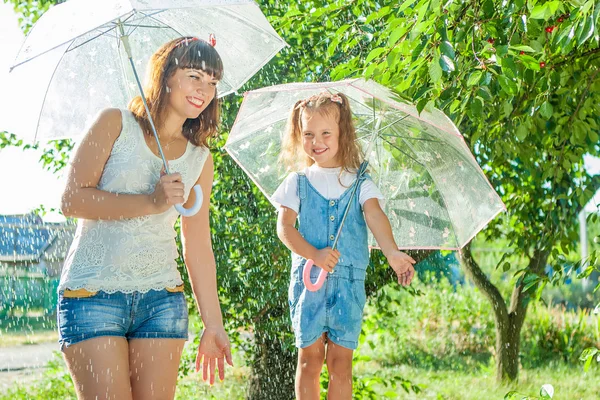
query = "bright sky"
{"x": 23, "y": 181}
{"x": 24, "y": 184}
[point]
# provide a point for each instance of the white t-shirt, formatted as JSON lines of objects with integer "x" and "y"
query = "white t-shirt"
{"x": 327, "y": 183}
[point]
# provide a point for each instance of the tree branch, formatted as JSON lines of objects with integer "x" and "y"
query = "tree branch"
{"x": 483, "y": 283}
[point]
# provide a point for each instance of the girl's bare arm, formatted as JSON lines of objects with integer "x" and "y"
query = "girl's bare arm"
{"x": 286, "y": 231}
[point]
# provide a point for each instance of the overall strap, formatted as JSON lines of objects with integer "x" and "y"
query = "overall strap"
{"x": 301, "y": 188}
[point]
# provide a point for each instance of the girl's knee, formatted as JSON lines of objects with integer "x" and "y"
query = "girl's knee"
{"x": 339, "y": 366}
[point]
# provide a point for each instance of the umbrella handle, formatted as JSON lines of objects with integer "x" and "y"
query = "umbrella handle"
{"x": 188, "y": 212}
{"x": 313, "y": 287}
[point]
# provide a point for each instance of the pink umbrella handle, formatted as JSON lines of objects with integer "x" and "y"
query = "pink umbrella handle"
{"x": 313, "y": 287}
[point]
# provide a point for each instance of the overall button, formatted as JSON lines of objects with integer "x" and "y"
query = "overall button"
{"x": 331, "y": 237}
{"x": 332, "y": 203}
{"x": 331, "y": 218}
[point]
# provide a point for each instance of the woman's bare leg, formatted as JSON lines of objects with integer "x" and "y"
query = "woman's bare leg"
{"x": 310, "y": 363}
{"x": 154, "y": 364}
{"x": 339, "y": 365}
{"x": 100, "y": 368}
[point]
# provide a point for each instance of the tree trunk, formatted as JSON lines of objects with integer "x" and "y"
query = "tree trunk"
{"x": 273, "y": 370}
{"x": 509, "y": 321}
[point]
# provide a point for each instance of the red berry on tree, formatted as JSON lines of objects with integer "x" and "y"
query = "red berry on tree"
{"x": 550, "y": 29}
{"x": 491, "y": 40}
{"x": 542, "y": 64}
{"x": 521, "y": 52}
{"x": 560, "y": 20}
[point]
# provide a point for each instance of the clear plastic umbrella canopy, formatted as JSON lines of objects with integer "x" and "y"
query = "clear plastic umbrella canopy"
{"x": 73, "y": 64}
{"x": 437, "y": 196}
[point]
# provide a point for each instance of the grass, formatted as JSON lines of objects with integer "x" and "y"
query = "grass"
{"x": 442, "y": 342}
{"x": 32, "y": 328}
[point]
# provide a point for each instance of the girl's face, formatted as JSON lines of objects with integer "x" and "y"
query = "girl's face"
{"x": 320, "y": 138}
{"x": 191, "y": 91}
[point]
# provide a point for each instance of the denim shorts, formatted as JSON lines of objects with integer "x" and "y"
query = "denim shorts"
{"x": 335, "y": 309}
{"x": 156, "y": 314}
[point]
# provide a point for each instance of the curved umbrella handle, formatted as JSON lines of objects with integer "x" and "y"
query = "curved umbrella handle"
{"x": 313, "y": 287}
{"x": 188, "y": 212}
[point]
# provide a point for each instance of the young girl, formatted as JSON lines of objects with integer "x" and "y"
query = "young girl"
{"x": 327, "y": 323}
{"x": 122, "y": 314}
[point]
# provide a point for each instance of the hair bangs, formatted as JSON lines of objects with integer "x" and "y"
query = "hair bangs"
{"x": 199, "y": 54}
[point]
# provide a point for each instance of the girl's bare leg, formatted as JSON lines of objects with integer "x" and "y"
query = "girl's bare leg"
{"x": 310, "y": 363}
{"x": 154, "y": 364}
{"x": 100, "y": 368}
{"x": 339, "y": 365}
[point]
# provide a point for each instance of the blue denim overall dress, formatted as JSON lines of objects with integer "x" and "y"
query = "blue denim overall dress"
{"x": 336, "y": 308}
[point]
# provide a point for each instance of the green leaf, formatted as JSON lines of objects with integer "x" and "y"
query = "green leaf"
{"x": 397, "y": 34}
{"x": 435, "y": 70}
{"x": 587, "y": 31}
{"x": 405, "y": 5}
{"x": 374, "y": 54}
{"x": 541, "y": 11}
{"x": 474, "y": 78}
{"x": 544, "y": 11}
{"x": 522, "y": 132}
{"x": 447, "y": 49}
{"x": 477, "y": 106}
{"x": 530, "y": 62}
{"x": 446, "y": 63}
{"x": 508, "y": 85}
{"x": 546, "y": 110}
{"x": 521, "y": 47}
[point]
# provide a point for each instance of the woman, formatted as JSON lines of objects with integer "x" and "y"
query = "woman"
{"x": 122, "y": 314}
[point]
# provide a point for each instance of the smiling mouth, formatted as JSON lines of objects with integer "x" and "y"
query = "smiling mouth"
{"x": 195, "y": 102}
{"x": 319, "y": 151}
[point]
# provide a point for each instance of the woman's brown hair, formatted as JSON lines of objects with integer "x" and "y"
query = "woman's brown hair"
{"x": 336, "y": 105}
{"x": 183, "y": 53}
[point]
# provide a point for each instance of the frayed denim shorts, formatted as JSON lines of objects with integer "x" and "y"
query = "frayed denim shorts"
{"x": 335, "y": 309}
{"x": 156, "y": 314}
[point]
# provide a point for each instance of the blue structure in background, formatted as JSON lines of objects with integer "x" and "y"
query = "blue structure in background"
{"x": 438, "y": 266}
{"x": 20, "y": 240}
{"x": 31, "y": 256}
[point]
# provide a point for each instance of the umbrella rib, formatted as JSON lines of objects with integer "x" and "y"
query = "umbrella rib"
{"x": 89, "y": 40}
{"x": 443, "y": 199}
{"x": 97, "y": 36}
{"x": 160, "y": 22}
{"x": 403, "y": 152}
{"x": 408, "y": 137}
{"x": 151, "y": 16}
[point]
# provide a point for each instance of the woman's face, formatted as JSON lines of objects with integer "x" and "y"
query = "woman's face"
{"x": 191, "y": 91}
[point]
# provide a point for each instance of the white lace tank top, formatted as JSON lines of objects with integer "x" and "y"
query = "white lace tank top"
{"x": 136, "y": 254}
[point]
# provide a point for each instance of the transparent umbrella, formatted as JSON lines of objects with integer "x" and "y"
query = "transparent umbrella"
{"x": 436, "y": 195}
{"x": 84, "y": 55}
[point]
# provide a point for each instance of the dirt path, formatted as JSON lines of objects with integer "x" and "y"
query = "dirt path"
{"x": 24, "y": 363}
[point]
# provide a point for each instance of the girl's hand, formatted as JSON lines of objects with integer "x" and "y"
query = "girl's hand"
{"x": 168, "y": 191}
{"x": 402, "y": 264}
{"x": 213, "y": 350}
{"x": 326, "y": 258}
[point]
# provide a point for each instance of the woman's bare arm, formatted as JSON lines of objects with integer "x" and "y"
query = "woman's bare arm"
{"x": 81, "y": 197}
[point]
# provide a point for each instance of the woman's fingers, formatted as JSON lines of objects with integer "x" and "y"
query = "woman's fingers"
{"x": 221, "y": 365}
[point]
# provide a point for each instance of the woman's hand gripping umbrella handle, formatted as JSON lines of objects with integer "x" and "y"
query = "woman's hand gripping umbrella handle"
{"x": 188, "y": 212}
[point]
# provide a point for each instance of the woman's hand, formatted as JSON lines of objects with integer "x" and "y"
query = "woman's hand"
{"x": 168, "y": 191}
{"x": 214, "y": 349}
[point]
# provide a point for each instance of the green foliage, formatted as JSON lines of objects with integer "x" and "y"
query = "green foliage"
{"x": 451, "y": 328}
{"x": 546, "y": 392}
